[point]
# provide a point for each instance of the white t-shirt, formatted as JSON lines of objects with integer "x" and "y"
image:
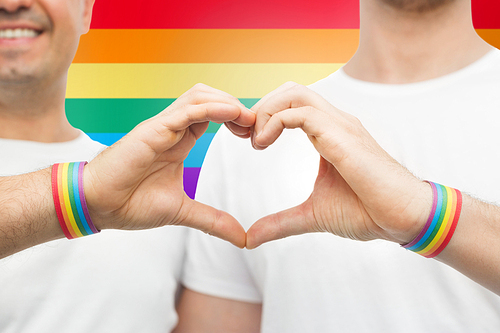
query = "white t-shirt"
{"x": 115, "y": 281}
{"x": 446, "y": 130}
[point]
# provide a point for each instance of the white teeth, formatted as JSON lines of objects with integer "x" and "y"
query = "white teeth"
{"x": 17, "y": 33}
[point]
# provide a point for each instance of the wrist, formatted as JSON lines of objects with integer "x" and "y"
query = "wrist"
{"x": 69, "y": 199}
{"x": 441, "y": 223}
{"x": 405, "y": 224}
{"x": 419, "y": 212}
{"x": 92, "y": 197}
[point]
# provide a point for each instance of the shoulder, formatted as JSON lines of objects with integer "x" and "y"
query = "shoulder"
{"x": 88, "y": 146}
{"x": 85, "y": 140}
{"x": 326, "y": 84}
{"x": 486, "y": 68}
{"x": 493, "y": 58}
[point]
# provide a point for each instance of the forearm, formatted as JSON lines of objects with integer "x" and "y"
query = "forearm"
{"x": 204, "y": 313}
{"x": 474, "y": 249}
{"x": 27, "y": 213}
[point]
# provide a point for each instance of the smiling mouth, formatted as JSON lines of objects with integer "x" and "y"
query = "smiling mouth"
{"x": 18, "y": 33}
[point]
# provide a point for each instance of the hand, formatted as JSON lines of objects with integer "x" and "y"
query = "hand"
{"x": 138, "y": 182}
{"x": 360, "y": 192}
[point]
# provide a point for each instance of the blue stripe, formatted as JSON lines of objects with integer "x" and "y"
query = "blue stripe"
{"x": 435, "y": 219}
{"x": 197, "y": 154}
{"x": 78, "y": 202}
{"x": 106, "y": 138}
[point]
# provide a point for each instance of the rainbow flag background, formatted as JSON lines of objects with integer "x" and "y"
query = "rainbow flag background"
{"x": 139, "y": 56}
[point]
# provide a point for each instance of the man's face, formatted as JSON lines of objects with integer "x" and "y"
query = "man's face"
{"x": 419, "y": 6}
{"x": 39, "y": 38}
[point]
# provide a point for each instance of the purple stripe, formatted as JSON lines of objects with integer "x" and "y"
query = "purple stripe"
{"x": 429, "y": 220}
{"x": 82, "y": 198}
{"x": 191, "y": 180}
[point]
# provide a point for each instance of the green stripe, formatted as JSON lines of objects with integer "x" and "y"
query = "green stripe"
{"x": 440, "y": 220}
{"x": 117, "y": 115}
{"x": 213, "y": 127}
{"x": 72, "y": 199}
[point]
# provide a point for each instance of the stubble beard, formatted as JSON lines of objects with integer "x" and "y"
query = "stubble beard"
{"x": 417, "y": 6}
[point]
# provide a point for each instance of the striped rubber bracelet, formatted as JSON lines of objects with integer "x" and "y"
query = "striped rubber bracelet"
{"x": 441, "y": 224}
{"x": 69, "y": 200}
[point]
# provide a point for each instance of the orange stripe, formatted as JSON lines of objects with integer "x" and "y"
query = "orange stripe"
{"x": 226, "y": 45}
{"x": 217, "y": 46}
{"x": 491, "y": 36}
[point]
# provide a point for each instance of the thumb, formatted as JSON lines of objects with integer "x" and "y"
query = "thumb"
{"x": 293, "y": 221}
{"x": 213, "y": 222}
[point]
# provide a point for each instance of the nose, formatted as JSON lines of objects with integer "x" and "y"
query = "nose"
{"x": 12, "y": 6}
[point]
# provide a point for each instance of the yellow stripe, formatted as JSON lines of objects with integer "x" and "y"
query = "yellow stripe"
{"x": 172, "y": 80}
{"x": 445, "y": 222}
{"x": 448, "y": 227}
{"x": 67, "y": 202}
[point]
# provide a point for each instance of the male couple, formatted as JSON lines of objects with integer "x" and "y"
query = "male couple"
{"x": 411, "y": 81}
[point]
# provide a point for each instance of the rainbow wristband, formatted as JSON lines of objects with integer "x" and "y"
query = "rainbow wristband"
{"x": 441, "y": 224}
{"x": 69, "y": 200}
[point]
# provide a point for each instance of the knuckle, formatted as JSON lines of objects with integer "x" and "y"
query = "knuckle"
{"x": 235, "y": 99}
{"x": 195, "y": 91}
{"x": 354, "y": 120}
{"x": 199, "y": 86}
{"x": 290, "y": 84}
{"x": 308, "y": 112}
{"x": 275, "y": 117}
{"x": 309, "y": 109}
{"x": 264, "y": 116}
{"x": 214, "y": 222}
{"x": 354, "y": 123}
{"x": 298, "y": 87}
{"x": 194, "y": 96}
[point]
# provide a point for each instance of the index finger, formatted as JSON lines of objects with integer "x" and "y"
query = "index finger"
{"x": 292, "y": 96}
{"x": 201, "y": 93}
{"x": 191, "y": 114}
{"x": 280, "y": 89}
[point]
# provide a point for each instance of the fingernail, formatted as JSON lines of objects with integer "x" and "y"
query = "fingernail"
{"x": 256, "y": 145}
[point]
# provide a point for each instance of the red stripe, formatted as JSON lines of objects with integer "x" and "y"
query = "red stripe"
{"x": 226, "y": 14}
{"x": 486, "y": 14}
{"x": 250, "y": 14}
{"x": 57, "y": 204}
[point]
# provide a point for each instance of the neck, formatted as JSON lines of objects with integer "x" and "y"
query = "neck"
{"x": 398, "y": 46}
{"x": 34, "y": 112}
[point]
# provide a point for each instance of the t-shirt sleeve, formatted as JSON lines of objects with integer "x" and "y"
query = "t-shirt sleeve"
{"x": 213, "y": 266}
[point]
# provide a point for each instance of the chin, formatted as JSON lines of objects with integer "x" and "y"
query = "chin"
{"x": 16, "y": 75}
